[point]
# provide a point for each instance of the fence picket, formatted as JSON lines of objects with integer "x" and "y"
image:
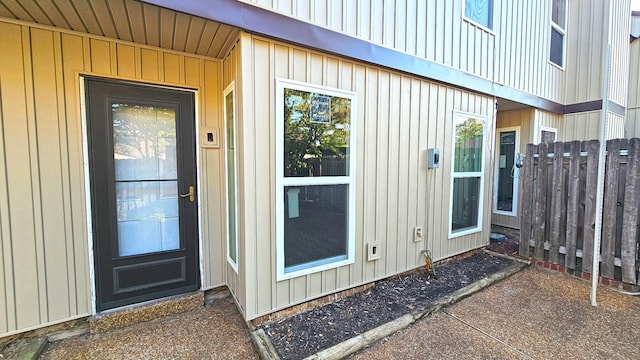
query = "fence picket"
{"x": 590, "y": 205}
{"x": 629, "y": 238}
{"x": 557, "y": 185}
{"x": 573, "y": 203}
{"x": 558, "y": 197}
{"x": 608, "y": 249}
{"x": 540, "y": 210}
{"x": 526, "y": 191}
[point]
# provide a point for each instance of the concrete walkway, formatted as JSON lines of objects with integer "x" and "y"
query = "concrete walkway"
{"x": 533, "y": 314}
{"x": 216, "y": 331}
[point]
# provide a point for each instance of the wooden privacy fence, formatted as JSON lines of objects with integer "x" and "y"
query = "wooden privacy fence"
{"x": 557, "y": 223}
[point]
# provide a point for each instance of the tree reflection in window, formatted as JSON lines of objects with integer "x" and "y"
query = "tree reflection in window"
{"x": 315, "y": 143}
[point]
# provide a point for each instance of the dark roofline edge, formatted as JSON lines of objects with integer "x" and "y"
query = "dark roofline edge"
{"x": 271, "y": 24}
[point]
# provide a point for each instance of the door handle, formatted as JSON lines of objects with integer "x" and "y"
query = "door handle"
{"x": 191, "y": 194}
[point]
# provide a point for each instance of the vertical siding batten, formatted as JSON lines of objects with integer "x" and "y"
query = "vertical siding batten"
{"x": 16, "y": 143}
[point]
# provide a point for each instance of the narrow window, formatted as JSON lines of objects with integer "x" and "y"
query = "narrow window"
{"x": 467, "y": 175}
{"x": 230, "y": 141}
{"x": 480, "y": 12}
{"x": 558, "y": 30}
{"x": 548, "y": 135}
{"x": 315, "y": 195}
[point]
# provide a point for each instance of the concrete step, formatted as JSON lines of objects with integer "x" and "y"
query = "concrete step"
{"x": 25, "y": 349}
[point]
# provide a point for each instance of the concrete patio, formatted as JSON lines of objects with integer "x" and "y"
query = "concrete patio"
{"x": 533, "y": 314}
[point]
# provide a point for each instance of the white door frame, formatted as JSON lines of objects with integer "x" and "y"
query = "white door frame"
{"x": 514, "y": 211}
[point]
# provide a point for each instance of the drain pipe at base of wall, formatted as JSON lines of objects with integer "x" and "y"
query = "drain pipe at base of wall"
{"x": 637, "y": 293}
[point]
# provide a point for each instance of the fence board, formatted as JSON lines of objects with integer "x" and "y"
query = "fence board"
{"x": 540, "y": 210}
{"x": 629, "y": 236}
{"x": 526, "y": 183}
{"x": 558, "y": 193}
{"x": 590, "y": 205}
{"x": 573, "y": 204}
{"x": 557, "y": 185}
{"x": 610, "y": 205}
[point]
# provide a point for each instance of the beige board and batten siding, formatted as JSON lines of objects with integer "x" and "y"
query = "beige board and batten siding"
{"x": 523, "y": 30}
{"x": 43, "y": 214}
{"x": 524, "y": 119}
{"x": 589, "y": 23}
{"x": 231, "y": 67}
{"x": 546, "y": 120}
{"x": 581, "y": 126}
{"x": 620, "y": 27}
{"x": 514, "y": 53}
{"x": 398, "y": 118}
{"x": 586, "y": 126}
{"x": 632, "y": 123}
{"x": 585, "y": 43}
{"x": 615, "y": 126}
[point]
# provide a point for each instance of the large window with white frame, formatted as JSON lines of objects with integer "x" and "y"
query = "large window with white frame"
{"x": 467, "y": 174}
{"x": 315, "y": 178}
{"x": 558, "y": 32}
{"x": 231, "y": 171}
{"x": 479, "y": 12}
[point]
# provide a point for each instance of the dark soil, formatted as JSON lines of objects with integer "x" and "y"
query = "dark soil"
{"x": 508, "y": 247}
{"x": 306, "y": 333}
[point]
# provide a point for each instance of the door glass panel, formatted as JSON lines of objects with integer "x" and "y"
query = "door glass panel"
{"x": 506, "y": 171}
{"x": 144, "y": 148}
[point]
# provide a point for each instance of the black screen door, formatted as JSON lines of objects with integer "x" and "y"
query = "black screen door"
{"x": 142, "y": 166}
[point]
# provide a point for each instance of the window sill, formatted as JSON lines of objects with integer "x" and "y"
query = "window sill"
{"x": 555, "y": 65}
{"x": 505, "y": 213}
{"x": 464, "y": 232}
{"x": 283, "y": 275}
{"x": 479, "y": 26}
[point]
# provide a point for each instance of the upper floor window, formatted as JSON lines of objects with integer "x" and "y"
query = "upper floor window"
{"x": 480, "y": 12}
{"x": 558, "y": 30}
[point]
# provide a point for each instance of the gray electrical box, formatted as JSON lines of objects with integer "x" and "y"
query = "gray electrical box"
{"x": 433, "y": 158}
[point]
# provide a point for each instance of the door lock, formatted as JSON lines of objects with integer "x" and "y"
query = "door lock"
{"x": 191, "y": 194}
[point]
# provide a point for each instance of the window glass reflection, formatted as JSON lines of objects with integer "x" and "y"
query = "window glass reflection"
{"x": 316, "y": 134}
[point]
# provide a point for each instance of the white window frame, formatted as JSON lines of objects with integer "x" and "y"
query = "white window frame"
{"x": 562, "y": 31}
{"x": 231, "y": 89}
{"x": 458, "y": 175}
{"x": 474, "y": 22}
{"x": 282, "y": 181}
{"x": 514, "y": 211}
{"x": 547, "y": 129}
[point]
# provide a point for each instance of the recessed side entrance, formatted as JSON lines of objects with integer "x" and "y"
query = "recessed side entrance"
{"x": 142, "y": 166}
{"x": 505, "y": 193}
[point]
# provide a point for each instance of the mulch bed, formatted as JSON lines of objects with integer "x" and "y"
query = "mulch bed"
{"x": 306, "y": 333}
